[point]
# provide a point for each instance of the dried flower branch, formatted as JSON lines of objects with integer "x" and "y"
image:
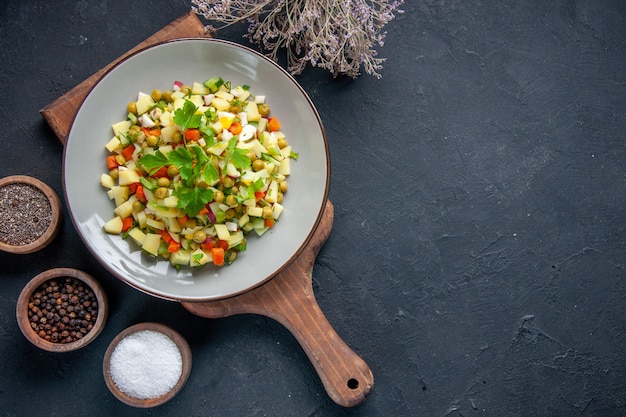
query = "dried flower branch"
{"x": 337, "y": 35}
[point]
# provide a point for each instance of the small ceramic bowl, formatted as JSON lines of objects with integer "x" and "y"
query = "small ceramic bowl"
{"x": 53, "y": 228}
{"x": 144, "y": 353}
{"x": 67, "y": 317}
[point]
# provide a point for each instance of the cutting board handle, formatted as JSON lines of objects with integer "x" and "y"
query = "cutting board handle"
{"x": 288, "y": 298}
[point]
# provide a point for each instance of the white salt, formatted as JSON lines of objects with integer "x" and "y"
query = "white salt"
{"x": 146, "y": 364}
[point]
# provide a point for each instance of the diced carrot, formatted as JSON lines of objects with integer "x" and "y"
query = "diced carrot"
{"x": 133, "y": 187}
{"x": 207, "y": 246}
{"x": 203, "y": 211}
{"x": 218, "y": 256}
{"x": 161, "y": 172}
{"x": 235, "y": 128}
{"x": 128, "y": 151}
{"x": 156, "y": 131}
{"x": 167, "y": 238}
{"x": 273, "y": 124}
{"x": 127, "y": 223}
{"x": 183, "y": 220}
{"x": 112, "y": 162}
{"x": 270, "y": 222}
{"x": 259, "y": 195}
{"x": 139, "y": 193}
{"x": 173, "y": 246}
{"x": 146, "y": 131}
{"x": 192, "y": 134}
{"x": 222, "y": 244}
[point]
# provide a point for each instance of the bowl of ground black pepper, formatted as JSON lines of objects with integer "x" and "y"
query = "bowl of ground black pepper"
{"x": 62, "y": 309}
{"x": 30, "y": 214}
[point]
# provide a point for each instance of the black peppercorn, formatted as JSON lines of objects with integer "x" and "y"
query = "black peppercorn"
{"x": 62, "y": 312}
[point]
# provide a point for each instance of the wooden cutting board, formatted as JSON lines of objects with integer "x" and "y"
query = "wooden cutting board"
{"x": 288, "y": 297}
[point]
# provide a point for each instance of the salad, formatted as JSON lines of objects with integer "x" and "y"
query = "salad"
{"x": 194, "y": 170}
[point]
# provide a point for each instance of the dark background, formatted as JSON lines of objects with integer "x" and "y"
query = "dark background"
{"x": 477, "y": 257}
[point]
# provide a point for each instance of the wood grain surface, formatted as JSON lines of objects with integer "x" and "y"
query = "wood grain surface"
{"x": 288, "y": 298}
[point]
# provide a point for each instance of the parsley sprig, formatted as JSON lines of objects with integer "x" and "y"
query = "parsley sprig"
{"x": 187, "y": 117}
{"x": 193, "y": 164}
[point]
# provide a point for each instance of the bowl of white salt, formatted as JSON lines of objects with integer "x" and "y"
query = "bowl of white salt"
{"x": 147, "y": 364}
{"x": 30, "y": 214}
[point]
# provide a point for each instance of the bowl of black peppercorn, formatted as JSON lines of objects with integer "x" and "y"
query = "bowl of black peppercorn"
{"x": 62, "y": 309}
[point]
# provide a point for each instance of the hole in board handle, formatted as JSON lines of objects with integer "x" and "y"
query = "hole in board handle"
{"x": 353, "y": 383}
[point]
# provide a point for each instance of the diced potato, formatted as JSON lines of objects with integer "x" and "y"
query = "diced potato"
{"x": 271, "y": 194}
{"x": 224, "y": 95}
{"x": 177, "y": 94}
{"x": 126, "y": 208}
{"x": 165, "y": 149}
{"x": 114, "y": 145}
{"x": 137, "y": 235}
{"x": 218, "y": 148}
{"x": 121, "y": 128}
{"x": 141, "y": 218}
{"x": 222, "y": 232}
{"x": 167, "y": 132}
{"x": 235, "y": 239}
{"x": 114, "y": 226}
{"x": 277, "y": 210}
{"x": 243, "y": 220}
{"x": 197, "y": 100}
{"x": 286, "y": 151}
{"x": 231, "y": 171}
{"x": 171, "y": 201}
{"x": 144, "y": 103}
{"x": 128, "y": 176}
{"x": 251, "y": 202}
{"x": 285, "y": 167}
{"x": 220, "y": 104}
{"x": 178, "y": 103}
{"x": 166, "y": 119}
{"x": 120, "y": 194}
{"x": 151, "y": 243}
{"x": 155, "y": 224}
{"x": 173, "y": 226}
{"x": 253, "y": 112}
{"x": 163, "y": 211}
{"x": 107, "y": 181}
{"x": 217, "y": 127}
{"x": 241, "y": 93}
{"x": 255, "y": 211}
{"x": 198, "y": 88}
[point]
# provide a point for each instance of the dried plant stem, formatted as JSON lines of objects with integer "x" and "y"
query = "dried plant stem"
{"x": 337, "y": 35}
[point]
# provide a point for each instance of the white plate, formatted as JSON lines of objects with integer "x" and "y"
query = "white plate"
{"x": 190, "y": 60}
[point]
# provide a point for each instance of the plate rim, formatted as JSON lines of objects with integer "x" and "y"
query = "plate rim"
{"x": 201, "y": 298}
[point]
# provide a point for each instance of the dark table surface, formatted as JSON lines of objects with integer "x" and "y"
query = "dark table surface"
{"x": 476, "y": 261}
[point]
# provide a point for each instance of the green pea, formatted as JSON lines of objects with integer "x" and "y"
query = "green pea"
{"x": 258, "y": 165}
{"x": 161, "y": 192}
{"x": 199, "y": 236}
